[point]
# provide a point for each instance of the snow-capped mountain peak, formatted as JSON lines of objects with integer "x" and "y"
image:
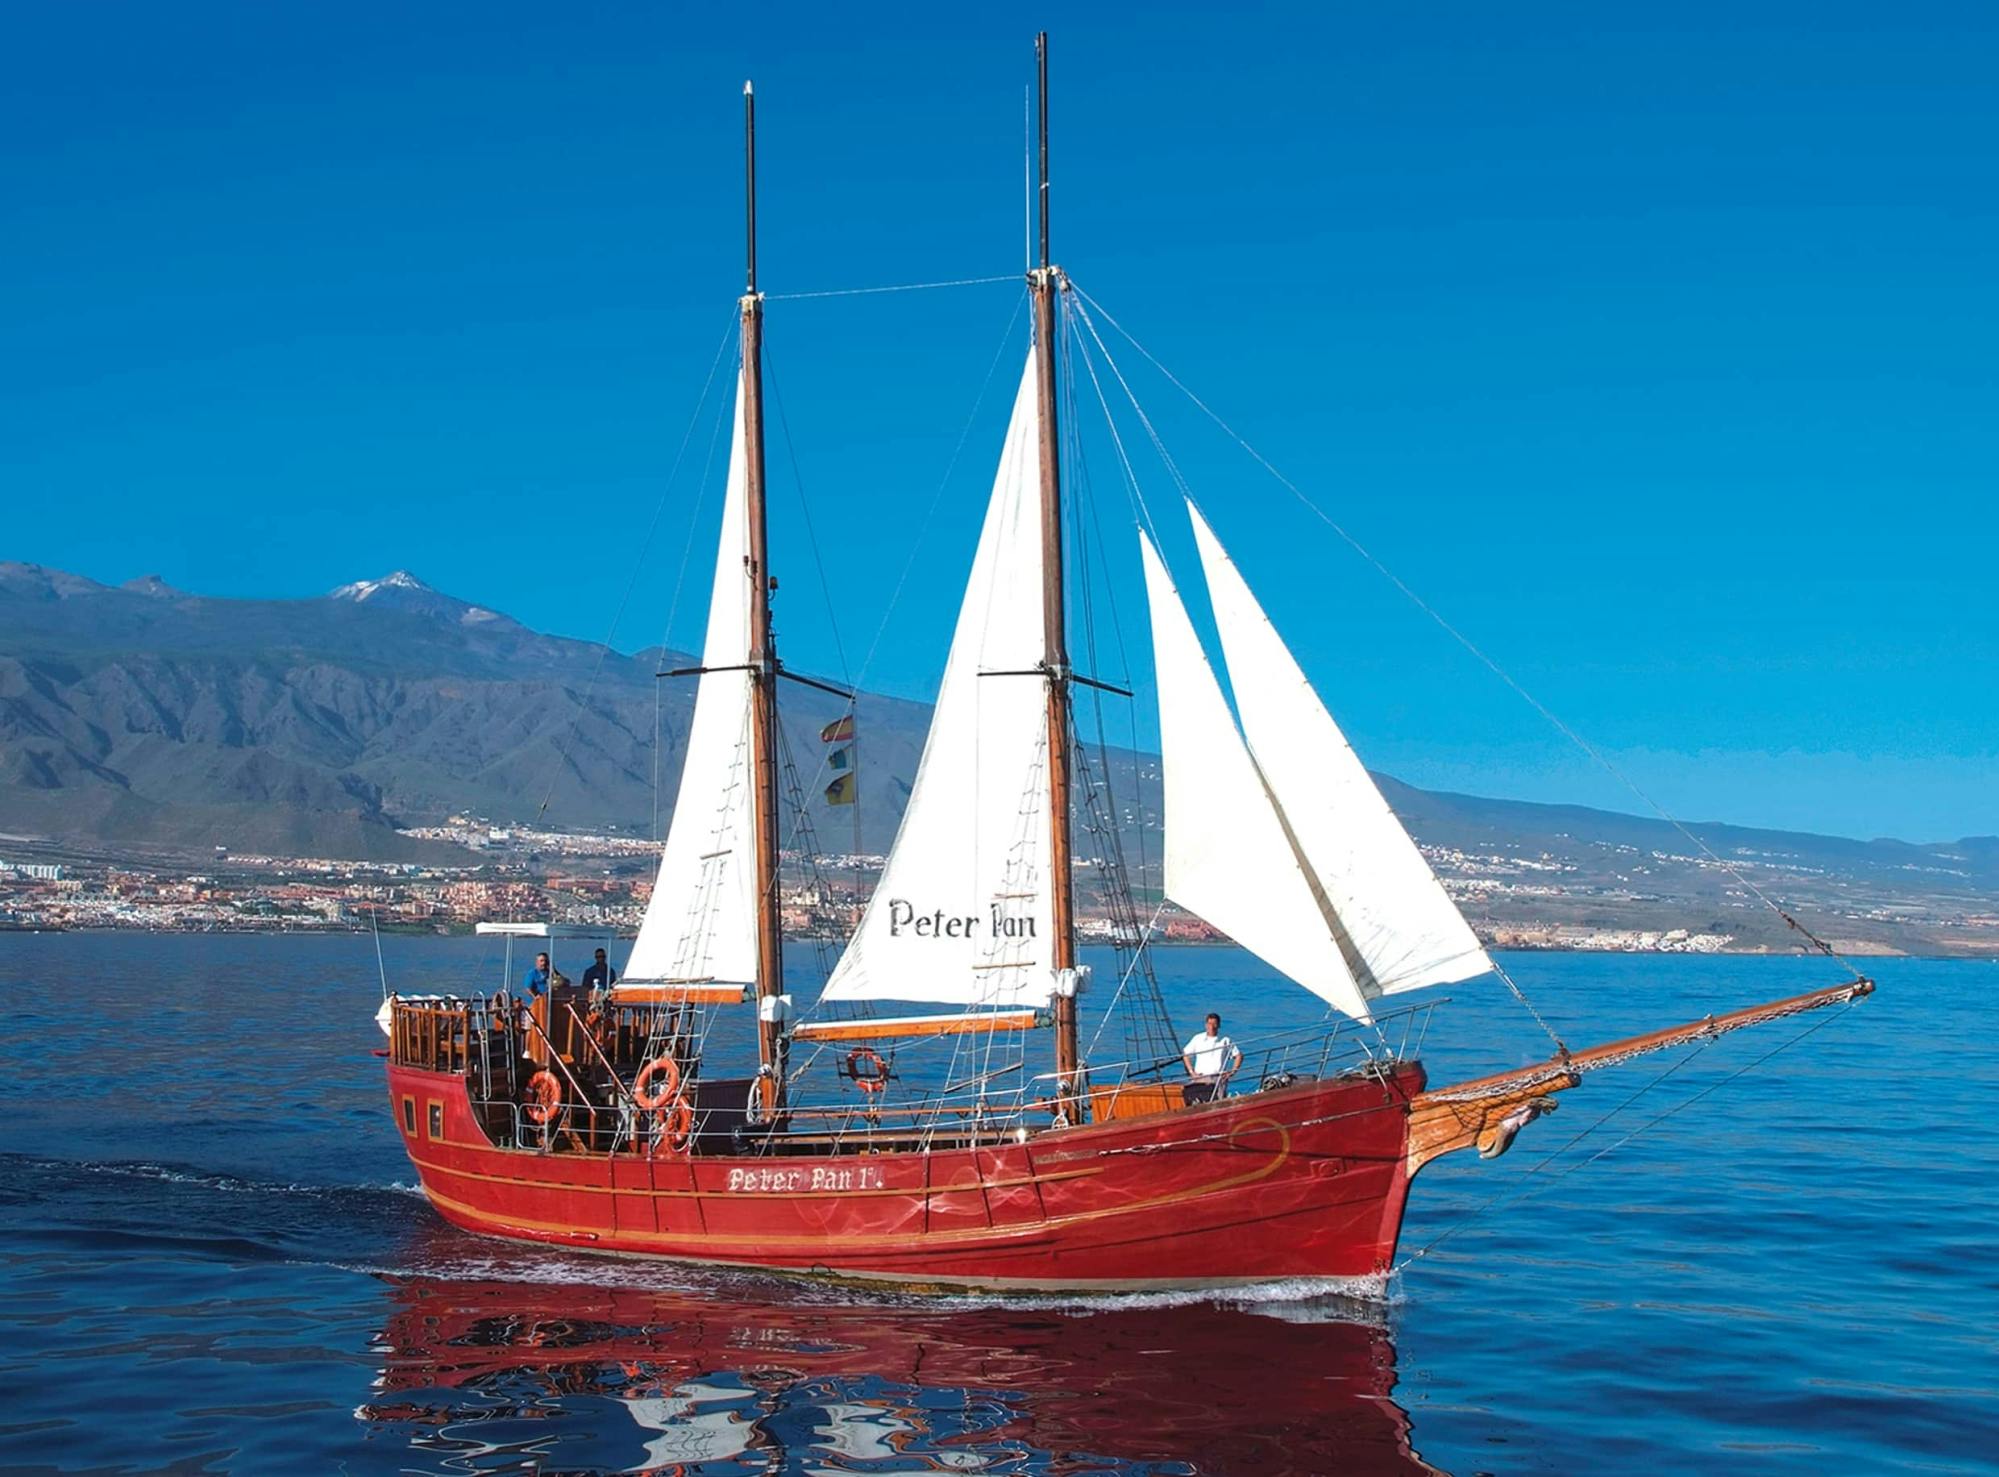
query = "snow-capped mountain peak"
{"x": 403, "y": 591}
{"x": 400, "y": 579}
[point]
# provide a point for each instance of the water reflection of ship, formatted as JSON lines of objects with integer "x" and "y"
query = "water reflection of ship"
{"x": 631, "y": 1379}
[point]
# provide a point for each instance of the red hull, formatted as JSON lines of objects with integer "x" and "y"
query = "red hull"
{"x": 1307, "y": 1181}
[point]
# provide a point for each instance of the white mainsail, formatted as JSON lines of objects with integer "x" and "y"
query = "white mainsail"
{"x": 1228, "y": 859}
{"x": 964, "y": 913}
{"x": 1402, "y": 928}
{"x": 701, "y": 924}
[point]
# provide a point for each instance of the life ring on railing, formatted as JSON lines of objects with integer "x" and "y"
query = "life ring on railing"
{"x": 547, "y": 1094}
{"x": 676, "y": 1126}
{"x": 877, "y": 1077}
{"x": 647, "y": 1099}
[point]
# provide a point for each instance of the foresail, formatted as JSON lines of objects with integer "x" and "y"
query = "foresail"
{"x": 701, "y": 921}
{"x": 1403, "y": 930}
{"x": 964, "y": 912}
{"x": 1228, "y": 859}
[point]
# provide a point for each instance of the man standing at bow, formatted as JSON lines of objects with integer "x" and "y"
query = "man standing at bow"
{"x": 1211, "y": 1059}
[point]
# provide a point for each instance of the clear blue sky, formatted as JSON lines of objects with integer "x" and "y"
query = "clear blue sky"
{"x": 1657, "y": 350}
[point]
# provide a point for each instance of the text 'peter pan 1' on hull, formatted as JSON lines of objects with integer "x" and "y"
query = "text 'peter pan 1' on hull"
{"x": 910, "y": 1125}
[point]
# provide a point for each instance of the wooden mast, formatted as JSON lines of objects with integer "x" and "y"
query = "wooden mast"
{"x": 1045, "y": 282}
{"x": 762, "y": 653}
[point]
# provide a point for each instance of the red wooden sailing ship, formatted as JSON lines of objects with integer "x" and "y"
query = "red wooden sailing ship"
{"x": 600, "y": 1120}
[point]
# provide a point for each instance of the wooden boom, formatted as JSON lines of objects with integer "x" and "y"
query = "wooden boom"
{"x": 1489, "y": 1111}
{"x": 970, "y": 1023}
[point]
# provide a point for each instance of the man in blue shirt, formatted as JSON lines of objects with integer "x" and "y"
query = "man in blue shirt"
{"x": 538, "y": 977}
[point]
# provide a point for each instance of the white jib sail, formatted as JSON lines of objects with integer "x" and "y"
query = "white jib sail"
{"x": 701, "y": 923}
{"x": 1403, "y": 926}
{"x": 1227, "y": 857}
{"x": 964, "y": 913}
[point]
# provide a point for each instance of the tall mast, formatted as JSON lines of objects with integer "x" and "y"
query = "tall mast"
{"x": 1046, "y": 281}
{"x": 763, "y": 650}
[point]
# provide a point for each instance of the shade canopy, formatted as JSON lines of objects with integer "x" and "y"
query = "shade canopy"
{"x": 545, "y": 930}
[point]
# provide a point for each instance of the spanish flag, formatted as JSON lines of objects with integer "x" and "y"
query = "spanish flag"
{"x": 838, "y": 731}
{"x": 844, "y": 791}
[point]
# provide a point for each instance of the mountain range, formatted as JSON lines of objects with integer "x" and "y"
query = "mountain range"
{"x": 141, "y": 715}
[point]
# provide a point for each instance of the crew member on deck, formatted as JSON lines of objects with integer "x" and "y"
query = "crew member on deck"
{"x": 600, "y": 975}
{"x": 1211, "y": 1059}
{"x": 540, "y": 977}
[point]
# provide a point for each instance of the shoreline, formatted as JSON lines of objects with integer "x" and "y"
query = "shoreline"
{"x": 1855, "y": 948}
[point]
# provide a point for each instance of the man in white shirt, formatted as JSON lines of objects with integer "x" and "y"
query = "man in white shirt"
{"x": 1211, "y": 1059}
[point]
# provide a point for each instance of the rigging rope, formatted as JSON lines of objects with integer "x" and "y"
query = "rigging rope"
{"x": 1521, "y": 995}
{"x": 937, "y": 498}
{"x": 1148, "y": 1017}
{"x": 1138, "y": 953}
{"x": 805, "y": 514}
{"x": 1158, "y": 445}
{"x": 916, "y": 548}
{"x": 687, "y": 545}
{"x": 638, "y": 564}
{"x": 1144, "y": 513}
{"x": 1518, "y": 1195}
{"x": 792, "y": 297}
{"x": 1141, "y": 510}
{"x": 1466, "y": 642}
{"x": 1147, "y": 1024}
{"x": 679, "y": 582}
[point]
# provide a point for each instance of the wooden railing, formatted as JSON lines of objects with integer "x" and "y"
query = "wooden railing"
{"x": 431, "y": 1035}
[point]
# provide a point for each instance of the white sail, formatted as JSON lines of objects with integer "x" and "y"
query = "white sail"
{"x": 964, "y": 913}
{"x": 1228, "y": 859}
{"x": 1402, "y": 928}
{"x": 701, "y": 923}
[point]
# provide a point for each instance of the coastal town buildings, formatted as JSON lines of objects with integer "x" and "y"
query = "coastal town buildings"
{"x": 1618, "y": 899}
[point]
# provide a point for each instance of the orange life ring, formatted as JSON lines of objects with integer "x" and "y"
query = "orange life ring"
{"x": 547, "y": 1093}
{"x": 666, "y": 1094}
{"x": 676, "y": 1126}
{"x": 877, "y": 1079}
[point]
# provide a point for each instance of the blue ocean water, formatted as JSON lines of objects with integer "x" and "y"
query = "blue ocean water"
{"x": 211, "y": 1260}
